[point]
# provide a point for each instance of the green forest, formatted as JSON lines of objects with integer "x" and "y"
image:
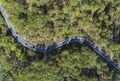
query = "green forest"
{"x": 49, "y": 21}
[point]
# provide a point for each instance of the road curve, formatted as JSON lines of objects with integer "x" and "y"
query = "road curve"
{"x": 59, "y": 44}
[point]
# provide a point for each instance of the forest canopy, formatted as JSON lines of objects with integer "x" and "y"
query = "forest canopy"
{"x": 48, "y": 21}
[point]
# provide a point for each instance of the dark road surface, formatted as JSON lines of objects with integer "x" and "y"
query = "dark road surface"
{"x": 59, "y": 44}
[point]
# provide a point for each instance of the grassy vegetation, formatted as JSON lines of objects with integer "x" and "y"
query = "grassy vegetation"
{"x": 40, "y": 21}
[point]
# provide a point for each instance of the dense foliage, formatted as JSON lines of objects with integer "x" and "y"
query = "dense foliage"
{"x": 40, "y": 21}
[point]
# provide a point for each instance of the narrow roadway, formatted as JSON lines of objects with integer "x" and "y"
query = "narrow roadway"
{"x": 59, "y": 44}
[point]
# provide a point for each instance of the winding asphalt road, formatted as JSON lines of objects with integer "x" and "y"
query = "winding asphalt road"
{"x": 59, "y": 44}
